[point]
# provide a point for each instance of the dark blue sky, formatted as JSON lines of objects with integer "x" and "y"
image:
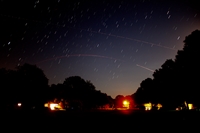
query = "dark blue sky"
{"x": 113, "y": 44}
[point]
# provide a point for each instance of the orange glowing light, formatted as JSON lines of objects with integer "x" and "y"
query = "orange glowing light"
{"x": 126, "y": 104}
{"x": 159, "y": 106}
{"x": 46, "y": 105}
{"x": 54, "y": 106}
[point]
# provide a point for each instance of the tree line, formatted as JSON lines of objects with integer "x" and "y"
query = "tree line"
{"x": 177, "y": 81}
{"x": 29, "y": 86}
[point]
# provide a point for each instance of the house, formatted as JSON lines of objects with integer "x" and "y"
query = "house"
{"x": 149, "y": 106}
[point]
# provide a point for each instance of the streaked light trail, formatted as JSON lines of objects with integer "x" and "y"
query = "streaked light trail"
{"x": 79, "y": 55}
{"x": 97, "y": 32}
{"x": 145, "y": 68}
{"x": 132, "y": 39}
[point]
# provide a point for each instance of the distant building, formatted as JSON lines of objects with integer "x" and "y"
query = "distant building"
{"x": 149, "y": 106}
{"x": 186, "y": 105}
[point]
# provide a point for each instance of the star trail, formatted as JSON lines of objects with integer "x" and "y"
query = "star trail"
{"x": 114, "y": 44}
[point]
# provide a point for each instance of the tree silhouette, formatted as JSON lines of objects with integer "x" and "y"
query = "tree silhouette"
{"x": 187, "y": 62}
{"x": 79, "y": 93}
{"x": 27, "y": 84}
{"x": 119, "y": 101}
{"x": 144, "y": 92}
{"x": 32, "y": 85}
{"x": 177, "y": 80}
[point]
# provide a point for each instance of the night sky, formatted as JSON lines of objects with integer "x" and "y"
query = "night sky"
{"x": 114, "y": 44}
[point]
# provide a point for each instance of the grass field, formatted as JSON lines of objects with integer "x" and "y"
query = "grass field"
{"x": 100, "y": 121}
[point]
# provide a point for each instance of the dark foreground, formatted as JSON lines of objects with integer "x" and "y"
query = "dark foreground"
{"x": 101, "y": 121}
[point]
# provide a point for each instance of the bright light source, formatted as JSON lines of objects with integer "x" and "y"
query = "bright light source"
{"x": 126, "y": 104}
{"x": 53, "y": 106}
{"x": 19, "y": 104}
{"x": 159, "y": 106}
{"x": 46, "y": 105}
{"x": 148, "y": 106}
{"x": 190, "y": 106}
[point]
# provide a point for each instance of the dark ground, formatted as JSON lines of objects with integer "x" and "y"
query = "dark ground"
{"x": 101, "y": 121}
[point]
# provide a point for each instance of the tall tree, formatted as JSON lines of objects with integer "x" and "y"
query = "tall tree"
{"x": 187, "y": 62}
{"x": 32, "y": 85}
{"x": 80, "y": 93}
{"x": 145, "y": 91}
{"x": 176, "y": 81}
